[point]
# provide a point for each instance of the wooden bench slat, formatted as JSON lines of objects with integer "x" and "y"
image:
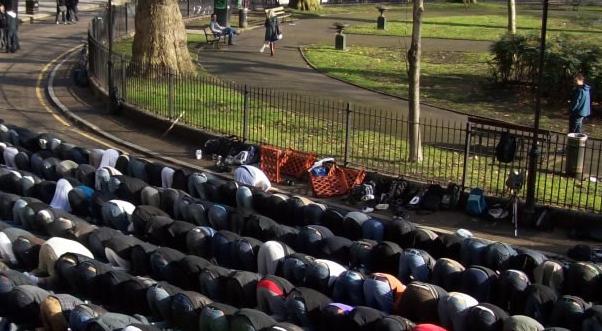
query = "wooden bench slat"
{"x": 279, "y": 12}
{"x": 211, "y": 37}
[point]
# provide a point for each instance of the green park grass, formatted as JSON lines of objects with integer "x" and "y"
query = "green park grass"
{"x": 452, "y": 80}
{"x": 487, "y": 23}
{"x": 478, "y": 27}
{"x": 124, "y": 46}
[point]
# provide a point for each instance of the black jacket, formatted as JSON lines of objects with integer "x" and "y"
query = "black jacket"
{"x": 3, "y": 21}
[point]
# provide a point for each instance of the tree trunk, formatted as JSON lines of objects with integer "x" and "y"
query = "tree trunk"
{"x": 414, "y": 140}
{"x": 307, "y": 5}
{"x": 160, "y": 43}
{"x": 512, "y": 17}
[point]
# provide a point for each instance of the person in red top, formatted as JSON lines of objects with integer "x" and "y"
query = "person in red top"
{"x": 428, "y": 327}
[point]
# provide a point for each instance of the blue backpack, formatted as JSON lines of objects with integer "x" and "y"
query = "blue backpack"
{"x": 476, "y": 205}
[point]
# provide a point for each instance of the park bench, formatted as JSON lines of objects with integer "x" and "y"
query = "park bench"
{"x": 280, "y": 13}
{"x": 212, "y": 38}
{"x": 487, "y": 133}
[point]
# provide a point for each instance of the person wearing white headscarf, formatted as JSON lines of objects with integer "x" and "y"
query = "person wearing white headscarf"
{"x": 60, "y": 200}
{"x": 9, "y": 157}
{"x": 252, "y": 176}
{"x": 109, "y": 158}
{"x": 167, "y": 177}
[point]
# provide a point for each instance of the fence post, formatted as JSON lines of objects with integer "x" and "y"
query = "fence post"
{"x": 188, "y": 8}
{"x": 347, "y": 122}
{"x": 123, "y": 82}
{"x": 245, "y": 118}
{"x": 125, "y": 7}
{"x": 171, "y": 96}
{"x": 110, "y": 89}
{"x": 466, "y": 153}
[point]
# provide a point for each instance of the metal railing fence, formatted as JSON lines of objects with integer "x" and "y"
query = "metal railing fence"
{"x": 356, "y": 135}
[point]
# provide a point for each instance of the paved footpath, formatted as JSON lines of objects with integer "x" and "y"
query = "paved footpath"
{"x": 23, "y": 103}
{"x": 47, "y": 9}
{"x": 287, "y": 70}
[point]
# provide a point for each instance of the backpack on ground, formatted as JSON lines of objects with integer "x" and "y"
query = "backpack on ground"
{"x": 362, "y": 193}
{"x": 431, "y": 200}
{"x": 505, "y": 150}
{"x": 476, "y": 205}
{"x": 80, "y": 77}
{"x": 451, "y": 196}
{"x": 397, "y": 191}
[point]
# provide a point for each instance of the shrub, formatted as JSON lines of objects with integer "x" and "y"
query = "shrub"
{"x": 516, "y": 61}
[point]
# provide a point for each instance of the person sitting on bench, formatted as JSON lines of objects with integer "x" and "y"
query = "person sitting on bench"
{"x": 219, "y": 30}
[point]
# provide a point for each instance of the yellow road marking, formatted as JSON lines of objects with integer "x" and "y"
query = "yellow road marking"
{"x": 42, "y": 99}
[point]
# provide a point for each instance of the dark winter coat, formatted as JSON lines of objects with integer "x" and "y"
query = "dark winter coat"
{"x": 3, "y": 21}
{"x": 272, "y": 29}
{"x": 580, "y": 100}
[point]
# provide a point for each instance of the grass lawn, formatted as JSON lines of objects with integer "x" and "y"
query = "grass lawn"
{"x": 487, "y": 23}
{"x": 124, "y": 46}
{"x": 454, "y": 80}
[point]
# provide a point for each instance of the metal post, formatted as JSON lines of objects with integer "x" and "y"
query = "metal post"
{"x": 123, "y": 75}
{"x": 245, "y": 116}
{"x": 125, "y": 7}
{"x": 110, "y": 60}
{"x": 534, "y": 153}
{"x": 171, "y": 96}
{"x": 466, "y": 154}
{"x": 347, "y": 125}
{"x": 188, "y": 8}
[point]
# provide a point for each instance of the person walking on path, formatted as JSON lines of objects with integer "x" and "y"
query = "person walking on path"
{"x": 72, "y": 11}
{"x": 580, "y": 105}
{"x": 219, "y": 30}
{"x": 3, "y": 28}
{"x": 12, "y": 36}
{"x": 61, "y": 10}
{"x": 272, "y": 32}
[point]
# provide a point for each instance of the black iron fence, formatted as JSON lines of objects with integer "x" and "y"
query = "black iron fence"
{"x": 356, "y": 135}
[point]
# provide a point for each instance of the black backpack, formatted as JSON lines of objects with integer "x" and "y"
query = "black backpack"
{"x": 505, "y": 150}
{"x": 362, "y": 193}
{"x": 397, "y": 192}
{"x": 220, "y": 146}
{"x": 451, "y": 196}
{"x": 431, "y": 200}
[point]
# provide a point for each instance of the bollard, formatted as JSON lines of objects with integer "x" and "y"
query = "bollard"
{"x": 242, "y": 18}
{"x": 575, "y": 154}
{"x": 31, "y": 7}
{"x": 340, "y": 42}
{"x": 380, "y": 22}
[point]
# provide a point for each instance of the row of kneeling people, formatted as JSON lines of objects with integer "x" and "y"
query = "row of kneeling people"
{"x": 246, "y": 253}
{"x": 526, "y": 259}
{"x": 71, "y": 268}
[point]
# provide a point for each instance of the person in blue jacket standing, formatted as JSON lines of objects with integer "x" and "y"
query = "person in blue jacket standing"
{"x": 580, "y": 105}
